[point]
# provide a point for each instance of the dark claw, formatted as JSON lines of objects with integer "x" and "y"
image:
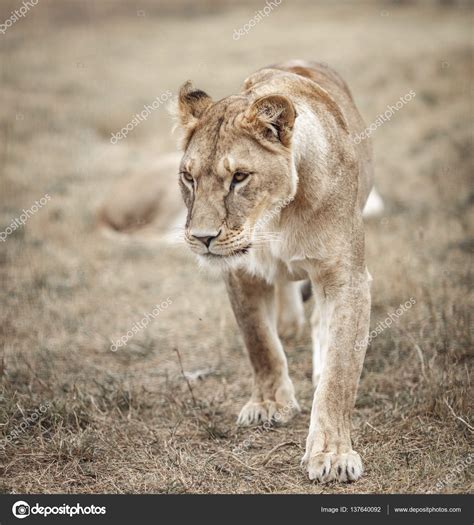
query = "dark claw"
{"x": 339, "y": 470}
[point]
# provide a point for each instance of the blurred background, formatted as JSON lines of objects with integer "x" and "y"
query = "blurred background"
{"x": 73, "y": 73}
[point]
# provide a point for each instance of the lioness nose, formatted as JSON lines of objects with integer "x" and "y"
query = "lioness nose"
{"x": 205, "y": 238}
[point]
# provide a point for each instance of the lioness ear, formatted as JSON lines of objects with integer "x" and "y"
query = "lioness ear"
{"x": 272, "y": 118}
{"x": 191, "y": 104}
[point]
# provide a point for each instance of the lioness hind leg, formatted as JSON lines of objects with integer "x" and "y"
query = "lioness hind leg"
{"x": 273, "y": 396}
{"x": 290, "y": 312}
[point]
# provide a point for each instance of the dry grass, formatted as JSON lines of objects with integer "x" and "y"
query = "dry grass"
{"x": 126, "y": 421}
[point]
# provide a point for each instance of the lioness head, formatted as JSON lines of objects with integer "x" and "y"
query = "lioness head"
{"x": 236, "y": 166}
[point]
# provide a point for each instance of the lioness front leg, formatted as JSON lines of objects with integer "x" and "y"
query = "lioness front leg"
{"x": 273, "y": 396}
{"x": 329, "y": 455}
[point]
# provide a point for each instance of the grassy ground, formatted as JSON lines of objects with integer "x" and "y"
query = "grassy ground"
{"x": 127, "y": 421}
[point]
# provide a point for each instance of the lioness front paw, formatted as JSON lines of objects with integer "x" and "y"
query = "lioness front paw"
{"x": 255, "y": 412}
{"x": 278, "y": 407}
{"x": 325, "y": 467}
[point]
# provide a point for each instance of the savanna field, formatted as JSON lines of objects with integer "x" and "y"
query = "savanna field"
{"x": 158, "y": 415}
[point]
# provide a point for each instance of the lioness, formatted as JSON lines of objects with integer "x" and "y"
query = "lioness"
{"x": 286, "y": 138}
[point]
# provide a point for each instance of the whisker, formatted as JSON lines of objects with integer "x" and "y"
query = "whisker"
{"x": 267, "y": 234}
{"x": 268, "y": 241}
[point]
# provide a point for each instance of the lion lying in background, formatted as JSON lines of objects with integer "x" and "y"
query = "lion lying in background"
{"x": 146, "y": 201}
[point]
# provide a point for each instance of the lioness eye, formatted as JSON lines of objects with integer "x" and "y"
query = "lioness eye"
{"x": 239, "y": 176}
{"x": 187, "y": 176}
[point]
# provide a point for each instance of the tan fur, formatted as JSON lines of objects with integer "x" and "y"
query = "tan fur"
{"x": 145, "y": 197}
{"x": 290, "y": 128}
